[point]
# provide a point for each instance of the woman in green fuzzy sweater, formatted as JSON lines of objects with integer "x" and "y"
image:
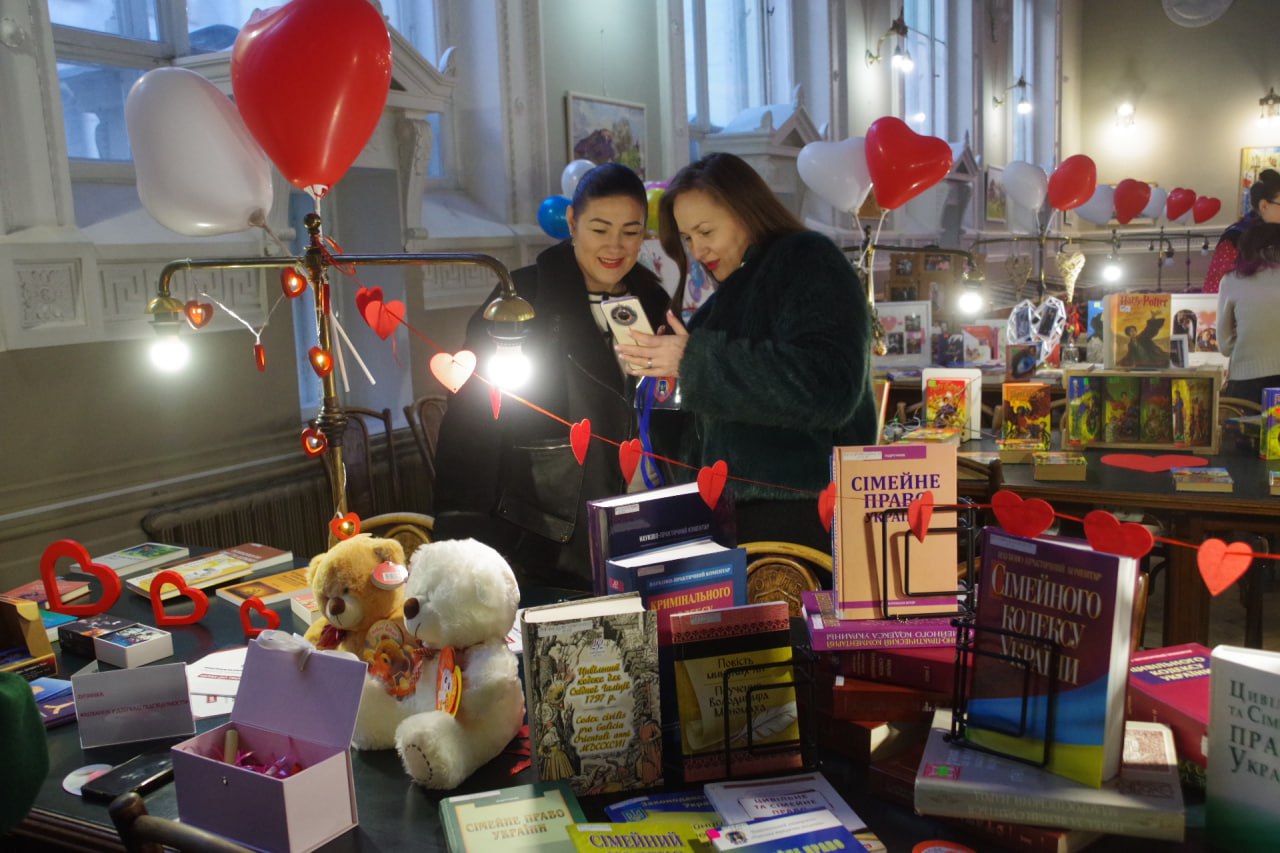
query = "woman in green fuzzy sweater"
{"x": 774, "y": 368}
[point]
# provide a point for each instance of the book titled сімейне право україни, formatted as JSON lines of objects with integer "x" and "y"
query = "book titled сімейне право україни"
{"x": 1243, "y": 780}
{"x": 515, "y": 819}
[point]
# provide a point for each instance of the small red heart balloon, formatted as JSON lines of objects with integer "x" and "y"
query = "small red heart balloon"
{"x": 345, "y": 526}
{"x": 827, "y": 506}
{"x": 384, "y": 317}
{"x": 1073, "y": 182}
{"x": 1131, "y": 197}
{"x": 1180, "y": 200}
{"x": 902, "y": 163}
{"x": 580, "y": 439}
{"x": 321, "y": 361}
{"x": 1019, "y": 517}
{"x": 254, "y": 605}
{"x": 1221, "y": 564}
{"x": 454, "y": 370}
{"x": 711, "y": 480}
{"x": 1205, "y": 208}
{"x": 71, "y": 549}
{"x": 1106, "y": 533}
{"x": 629, "y": 455}
{"x": 919, "y": 514}
{"x": 314, "y": 442}
{"x": 175, "y": 579}
{"x": 292, "y": 282}
{"x": 198, "y": 313}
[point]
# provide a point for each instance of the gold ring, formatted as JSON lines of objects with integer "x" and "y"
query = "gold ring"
{"x": 650, "y": 364}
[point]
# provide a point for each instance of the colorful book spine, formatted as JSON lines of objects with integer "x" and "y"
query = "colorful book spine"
{"x": 1155, "y": 424}
{"x": 1084, "y": 410}
{"x": 1121, "y": 410}
{"x": 1192, "y": 411}
{"x": 709, "y": 581}
{"x": 1269, "y": 441}
{"x": 859, "y": 699}
{"x": 829, "y": 633}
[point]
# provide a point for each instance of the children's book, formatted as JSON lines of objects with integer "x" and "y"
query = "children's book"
{"x": 269, "y": 589}
{"x": 759, "y": 799}
{"x": 952, "y": 398}
{"x": 829, "y": 633}
{"x": 1121, "y": 410}
{"x": 1269, "y": 431}
{"x": 1137, "y": 330}
{"x": 519, "y": 818}
{"x": 214, "y": 569}
{"x": 1243, "y": 781}
{"x": 1026, "y": 416}
{"x": 816, "y": 830}
{"x": 1155, "y": 420}
{"x": 1193, "y": 415}
{"x": 1021, "y": 361}
{"x": 1202, "y": 479}
{"x": 69, "y": 590}
{"x": 1060, "y": 465}
{"x": 140, "y": 558}
{"x": 1171, "y": 686}
{"x": 1084, "y": 410}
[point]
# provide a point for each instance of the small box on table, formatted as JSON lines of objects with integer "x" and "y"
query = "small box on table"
{"x": 24, "y": 644}
{"x": 77, "y": 637}
{"x": 133, "y": 645}
{"x": 293, "y": 702}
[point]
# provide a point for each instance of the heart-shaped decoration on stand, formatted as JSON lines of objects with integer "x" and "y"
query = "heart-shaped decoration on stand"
{"x": 711, "y": 480}
{"x": 1108, "y": 534}
{"x": 495, "y": 400}
{"x": 344, "y": 526}
{"x": 453, "y": 370}
{"x": 73, "y": 550}
{"x": 1022, "y": 518}
{"x": 919, "y": 514}
{"x": 629, "y": 454}
{"x": 1221, "y": 564}
{"x": 198, "y": 313}
{"x": 314, "y": 442}
{"x": 292, "y": 282}
{"x": 254, "y": 605}
{"x": 175, "y": 579}
{"x": 384, "y": 317}
{"x": 321, "y": 361}
{"x": 580, "y": 439}
{"x": 827, "y": 506}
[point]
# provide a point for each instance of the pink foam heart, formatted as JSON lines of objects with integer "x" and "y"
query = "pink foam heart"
{"x": 1221, "y": 564}
{"x": 580, "y": 439}
{"x": 919, "y": 514}
{"x": 629, "y": 455}
{"x": 711, "y": 480}
{"x": 365, "y": 295}
{"x": 1019, "y": 517}
{"x": 1152, "y": 464}
{"x": 384, "y": 317}
{"x": 1106, "y": 533}
{"x": 827, "y": 505}
{"x": 453, "y": 370}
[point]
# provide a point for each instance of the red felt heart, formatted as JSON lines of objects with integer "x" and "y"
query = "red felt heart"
{"x": 827, "y": 506}
{"x": 1019, "y": 517}
{"x": 919, "y": 514}
{"x": 1107, "y": 533}
{"x": 1221, "y": 564}
{"x": 384, "y": 317}
{"x": 247, "y": 609}
{"x": 175, "y": 579}
{"x": 294, "y": 283}
{"x": 314, "y": 442}
{"x": 495, "y": 400}
{"x": 1152, "y": 464}
{"x": 902, "y": 163}
{"x": 69, "y": 548}
{"x": 366, "y": 295}
{"x": 580, "y": 439}
{"x": 198, "y": 313}
{"x": 321, "y": 361}
{"x": 711, "y": 480}
{"x": 453, "y": 371}
{"x": 629, "y": 455}
{"x": 344, "y": 526}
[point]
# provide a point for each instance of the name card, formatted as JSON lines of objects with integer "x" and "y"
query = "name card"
{"x": 132, "y": 704}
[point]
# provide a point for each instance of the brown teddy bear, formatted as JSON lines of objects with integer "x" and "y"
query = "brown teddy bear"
{"x": 357, "y": 583}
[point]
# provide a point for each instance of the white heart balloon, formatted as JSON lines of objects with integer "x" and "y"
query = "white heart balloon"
{"x": 836, "y": 172}
{"x": 1155, "y": 207}
{"x": 1026, "y": 184}
{"x": 199, "y": 170}
{"x": 572, "y": 174}
{"x": 1100, "y": 207}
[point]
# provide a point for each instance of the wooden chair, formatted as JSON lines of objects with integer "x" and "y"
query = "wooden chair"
{"x": 424, "y": 416}
{"x": 780, "y": 571}
{"x": 1236, "y": 407}
{"x": 146, "y": 833}
{"x": 363, "y": 496}
{"x": 410, "y": 529}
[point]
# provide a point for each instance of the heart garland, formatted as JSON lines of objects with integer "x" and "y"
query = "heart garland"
{"x": 383, "y": 317}
{"x": 367, "y": 295}
{"x": 198, "y": 313}
{"x": 827, "y": 506}
{"x": 71, "y": 549}
{"x": 175, "y": 579}
{"x": 344, "y": 526}
{"x": 1221, "y": 564}
{"x": 629, "y": 455}
{"x": 711, "y": 480}
{"x": 580, "y": 439}
{"x": 1108, "y": 534}
{"x": 321, "y": 361}
{"x": 453, "y": 370}
{"x": 1022, "y": 518}
{"x": 314, "y": 442}
{"x": 294, "y": 283}
{"x": 919, "y": 514}
{"x": 254, "y": 605}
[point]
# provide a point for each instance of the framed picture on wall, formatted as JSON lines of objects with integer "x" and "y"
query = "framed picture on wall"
{"x": 1253, "y": 161}
{"x": 604, "y": 130}
{"x": 997, "y": 206}
{"x": 906, "y": 327}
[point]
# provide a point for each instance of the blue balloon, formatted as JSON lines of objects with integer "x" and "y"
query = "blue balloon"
{"x": 551, "y": 216}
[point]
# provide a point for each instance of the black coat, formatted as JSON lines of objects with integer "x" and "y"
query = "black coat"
{"x": 514, "y": 483}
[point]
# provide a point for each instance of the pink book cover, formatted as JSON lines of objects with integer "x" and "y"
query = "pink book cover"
{"x": 829, "y": 633}
{"x": 923, "y": 668}
{"x": 1171, "y": 686}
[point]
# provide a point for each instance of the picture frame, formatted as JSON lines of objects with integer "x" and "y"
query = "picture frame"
{"x": 907, "y": 328}
{"x": 1178, "y": 351}
{"x": 606, "y": 130}
{"x": 1253, "y": 161}
{"x": 996, "y": 203}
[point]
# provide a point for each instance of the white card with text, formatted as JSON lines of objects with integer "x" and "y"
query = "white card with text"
{"x": 125, "y": 705}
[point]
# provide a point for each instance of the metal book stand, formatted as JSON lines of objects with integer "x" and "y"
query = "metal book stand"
{"x": 966, "y": 528}
{"x": 802, "y": 678}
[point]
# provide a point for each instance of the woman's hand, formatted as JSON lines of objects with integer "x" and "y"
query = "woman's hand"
{"x": 655, "y": 355}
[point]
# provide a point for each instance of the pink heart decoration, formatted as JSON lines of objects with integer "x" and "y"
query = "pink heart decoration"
{"x": 919, "y": 514}
{"x": 1019, "y": 517}
{"x": 384, "y": 317}
{"x": 254, "y": 605}
{"x": 1152, "y": 464}
{"x": 314, "y": 442}
{"x": 629, "y": 455}
{"x": 198, "y": 313}
{"x": 71, "y": 549}
{"x": 366, "y": 296}
{"x": 198, "y": 598}
{"x": 902, "y": 163}
{"x": 580, "y": 439}
{"x": 827, "y": 506}
{"x": 1221, "y": 564}
{"x": 495, "y": 400}
{"x": 711, "y": 480}
{"x": 454, "y": 370}
{"x": 1108, "y": 534}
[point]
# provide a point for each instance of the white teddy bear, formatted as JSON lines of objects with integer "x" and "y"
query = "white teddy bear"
{"x": 460, "y": 602}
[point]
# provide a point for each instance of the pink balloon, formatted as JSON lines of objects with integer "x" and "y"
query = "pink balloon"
{"x": 903, "y": 163}
{"x": 1130, "y": 199}
{"x": 1073, "y": 182}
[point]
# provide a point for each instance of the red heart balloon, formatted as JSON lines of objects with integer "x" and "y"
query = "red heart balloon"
{"x": 1205, "y": 208}
{"x": 1019, "y": 517}
{"x": 292, "y": 282}
{"x": 198, "y": 313}
{"x": 711, "y": 480}
{"x": 1179, "y": 202}
{"x": 366, "y": 295}
{"x": 902, "y": 163}
{"x": 1073, "y": 182}
{"x": 629, "y": 455}
{"x": 321, "y": 361}
{"x": 827, "y": 506}
{"x": 1221, "y": 564}
{"x": 251, "y": 605}
{"x": 175, "y": 579}
{"x": 71, "y": 549}
{"x": 495, "y": 400}
{"x": 580, "y": 439}
{"x": 919, "y": 514}
{"x": 1152, "y": 464}
{"x": 1106, "y": 533}
{"x": 310, "y": 79}
{"x": 384, "y": 317}
{"x": 454, "y": 370}
{"x": 1131, "y": 197}
{"x": 314, "y": 442}
{"x": 344, "y": 526}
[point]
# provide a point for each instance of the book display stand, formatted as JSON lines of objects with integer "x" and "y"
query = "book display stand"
{"x": 966, "y": 529}
{"x": 802, "y": 678}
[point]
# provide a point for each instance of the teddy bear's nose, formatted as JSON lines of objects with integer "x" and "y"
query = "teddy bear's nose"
{"x": 337, "y": 605}
{"x": 410, "y": 608}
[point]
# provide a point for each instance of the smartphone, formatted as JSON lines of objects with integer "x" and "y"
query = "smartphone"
{"x": 142, "y": 773}
{"x": 624, "y": 314}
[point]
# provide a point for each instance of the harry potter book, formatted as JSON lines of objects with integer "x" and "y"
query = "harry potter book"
{"x": 1084, "y": 410}
{"x": 1269, "y": 432}
{"x": 952, "y": 398}
{"x": 1243, "y": 780}
{"x": 1193, "y": 415}
{"x": 1155, "y": 422}
{"x": 1137, "y": 330}
{"x": 1121, "y": 410}
{"x": 1026, "y": 416}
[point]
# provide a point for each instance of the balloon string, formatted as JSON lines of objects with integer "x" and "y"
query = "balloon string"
{"x": 342, "y": 364}
{"x": 233, "y": 315}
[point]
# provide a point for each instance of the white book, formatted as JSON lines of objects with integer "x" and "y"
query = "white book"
{"x": 1242, "y": 787}
{"x": 139, "y": 558}
{"x": 744, "y": 802}
{"x": 972, "y": 378}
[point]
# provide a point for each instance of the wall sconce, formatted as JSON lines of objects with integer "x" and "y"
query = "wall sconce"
{"x": 1125, "y": 114}
{"x": 1270, "y": 108}
{"x": 901, "y": 59}
{"x": 1024, "y": 102}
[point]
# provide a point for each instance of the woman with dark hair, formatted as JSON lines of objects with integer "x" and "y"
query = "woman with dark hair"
{"x": 1262, "y": 207}
{"x": 513, "y": 482}
{"x": 1249, "y": 312}
{"x": 775, "y": 367}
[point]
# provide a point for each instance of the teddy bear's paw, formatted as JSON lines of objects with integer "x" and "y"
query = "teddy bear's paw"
{"x": 433, "y": 750}
{"x": 418, "y": 765}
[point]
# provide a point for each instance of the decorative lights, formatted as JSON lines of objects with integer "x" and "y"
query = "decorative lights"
{"x": 901, "y": 59}
{"x": 1269, "y": 105}
{"x": 1024, "y": 106}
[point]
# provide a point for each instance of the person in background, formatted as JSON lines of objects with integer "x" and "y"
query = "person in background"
{"x": 774, "y": 368}
{"x": 1262, "y": 206}
{"x": 513, "y": 482}
{"x": 1249, "y": 312}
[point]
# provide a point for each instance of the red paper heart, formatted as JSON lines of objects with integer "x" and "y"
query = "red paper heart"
{"x": 344, "y": 526}
{"x": 495, "y": 400}
{"x": 629, "y": 455}
{"x": 919, "y": 514}
{"x": 1152, "y": 464}
{"x": 580, "y": 439}
{"x": 384, "y": 317}
{"x": 366, "y": 295}
{"x": 1221, "y": 564}
{"x": 902, "y": 163}
{"x": 314, "y": 442}
{"x": 827, "y": 506}
{"x": 1107, "y": 533}
{"x": 247, "y": 609}
{"x": 321, "y": 361}
{"x": 69, "y": 548}
{"x": 711, "y": 480}
{"x": 294, "y": 283}
{"x": 1019, "y": 517}
{"x": 171, "y": 578}
{"x": 198, "y": 313}
{"x": 454, "y": 370}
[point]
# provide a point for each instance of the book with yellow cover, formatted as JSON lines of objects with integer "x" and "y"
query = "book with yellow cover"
{"x": 1137, "y": 330}
{"x": 1026, "y": 416}
{"x": 269, "y": 589}
{"x": 1060, "y": 465}
{"x": 655, "y": 834}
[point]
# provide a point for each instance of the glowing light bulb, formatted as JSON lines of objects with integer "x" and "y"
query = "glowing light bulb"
{"x": 509, "y": 367}
{"x": 1024, "y": 107}
{"x": 970, "y": 302}
{"x": 902, "y": 61}
{"x": 1112, "y": 271}
{"x": 169, "y": 353}
{"x": 918, "y": 118}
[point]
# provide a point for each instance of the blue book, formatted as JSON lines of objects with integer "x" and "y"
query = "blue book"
{"x": 698, "y": 575}
{"x": 816, "y": 830}
{"x": 638, "y": 808}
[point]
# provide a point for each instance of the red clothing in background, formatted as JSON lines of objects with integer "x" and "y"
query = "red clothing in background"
{"x": 1222, "y": 262}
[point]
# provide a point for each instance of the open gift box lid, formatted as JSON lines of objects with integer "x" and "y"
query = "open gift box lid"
{"x": 288, "y": 686}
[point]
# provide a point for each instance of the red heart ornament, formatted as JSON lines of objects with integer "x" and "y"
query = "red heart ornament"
{"x": 71, "y": 549}
{"x": 1107, "y": 533}
{"x": 1152, "y": 464}
{"x": 292, "y": 282}
{"x": 175, "y": 579}
{"x": 251, "y": 605}
{"x": 454, "y": 370}
{"x": 629, "y": 455}
{"x": 345, "y": 526}
{"x": 1131, "y": 196}
{"x": 260, "y": 357}
{"x": 1205, "y": 208}
{"x": 366, "y": 295}
{"x": 495, "y": 400}
{"x": 827, "y": 506}
{"x": 1019, "y": 517}
{"x": 919, "y": 514}
{"x": 1221, "y": 564}
{"x": 198, "y": 313}
{"x": 580, "y": 439}
{"x": 314, "y": 442}
{"x": 1180, "y": 201}
{"x": 384, "y": 317}
{"x": 321, "y": 361}
{"x": 711, "y": 480}
{"x": 902, "y": 163}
